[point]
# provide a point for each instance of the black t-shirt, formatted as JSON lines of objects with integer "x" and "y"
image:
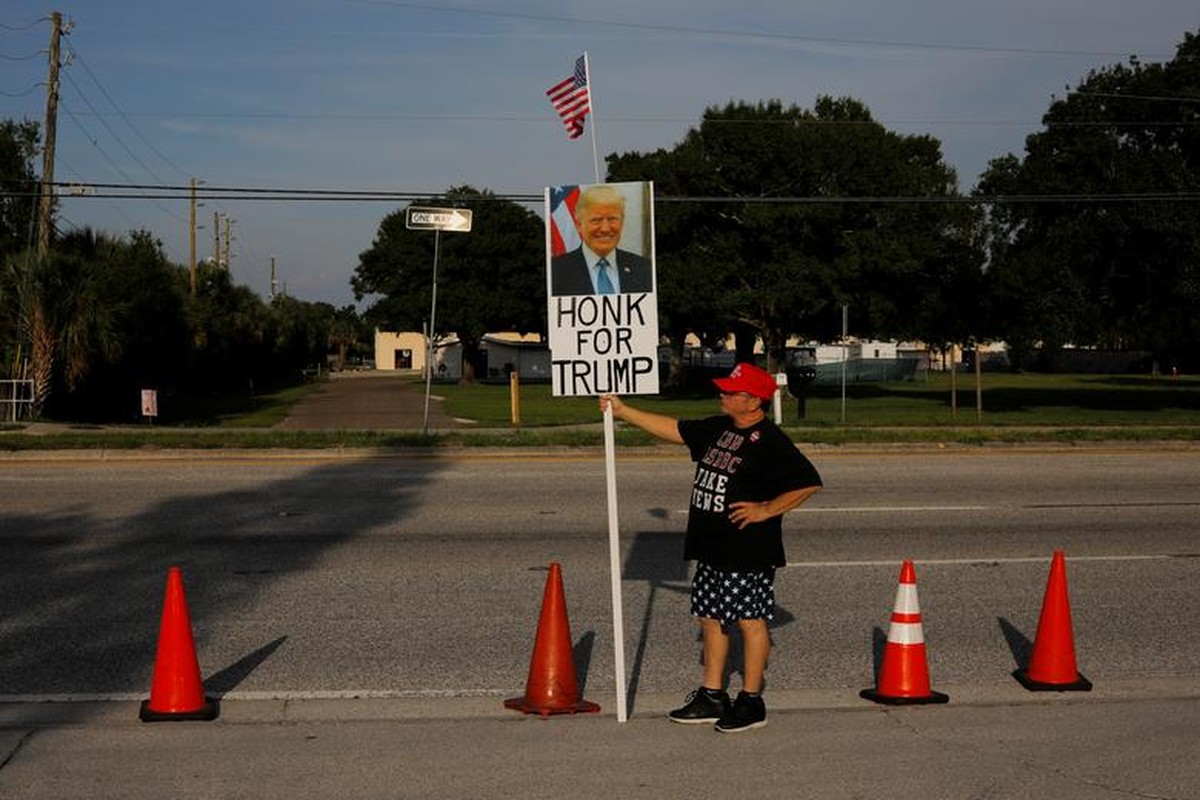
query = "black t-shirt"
{"x": 733, "y": 464}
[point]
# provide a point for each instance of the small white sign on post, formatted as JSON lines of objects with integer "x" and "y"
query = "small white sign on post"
{"x": 149, "y": 403}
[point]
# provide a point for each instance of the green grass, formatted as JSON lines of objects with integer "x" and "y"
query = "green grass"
{"x": 1017, "y": 409}
{"x": 237, "y": 411}
{"x": 1008, "y": 400}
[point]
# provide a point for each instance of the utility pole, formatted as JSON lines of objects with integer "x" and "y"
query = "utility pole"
{"x": 192, "y": 238}
{"x": 228, "y": 245}
{"x": 46, "y": 199}
{"x": 274, "y": 284}
{"x": 216, "y": 238}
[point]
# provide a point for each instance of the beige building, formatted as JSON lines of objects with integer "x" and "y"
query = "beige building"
{"x": 406, "y": 350}
{"x": 506, "y": 352}
{"x": 399, "y": 350}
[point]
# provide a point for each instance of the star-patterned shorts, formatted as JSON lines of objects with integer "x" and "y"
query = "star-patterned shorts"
{"x": 731, "y": 596}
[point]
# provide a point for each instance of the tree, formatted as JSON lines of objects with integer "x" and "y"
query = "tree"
{"x": 229, "y": 323}
{"x": 54, "y": 306}
{"x": 1113, "y": 262}
{"x": 143, "y": 299}
{"x": 766, "y": 245}
{"x": 18, "y": 185}
{"x": 346, "y": 332}
{"x": 103, "y": 317}
{"x": 490, "y": 279}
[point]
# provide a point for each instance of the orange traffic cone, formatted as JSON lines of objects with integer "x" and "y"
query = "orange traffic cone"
{"x": 904, "y": 673}
{"x": 176, "y": 692}
{"x": 552, "y": 687}
{"x": 1052, "y": 666}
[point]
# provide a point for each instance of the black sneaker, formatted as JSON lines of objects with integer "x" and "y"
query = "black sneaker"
{"x": 748, "y": 712}
{"x": 702, "y": 705}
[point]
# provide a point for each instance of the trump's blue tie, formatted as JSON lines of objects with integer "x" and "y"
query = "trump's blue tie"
{"x": 603, "y": 282}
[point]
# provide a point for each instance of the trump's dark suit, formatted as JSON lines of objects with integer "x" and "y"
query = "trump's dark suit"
{"x": 569, "y": 273}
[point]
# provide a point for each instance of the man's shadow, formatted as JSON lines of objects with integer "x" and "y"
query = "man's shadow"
{"x": 657, "y": 558}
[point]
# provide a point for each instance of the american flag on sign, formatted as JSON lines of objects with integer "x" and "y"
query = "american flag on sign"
{"x": 572, "y": 99}
{"x": 563, "y": 235}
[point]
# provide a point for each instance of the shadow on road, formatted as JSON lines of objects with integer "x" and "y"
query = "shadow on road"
{"x": 657, "y": 558}
{"x": 81, "y": 596}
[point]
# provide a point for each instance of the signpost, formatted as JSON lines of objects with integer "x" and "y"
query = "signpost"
{"x": 436, "y": 220}
{"x": 149, "y": 404}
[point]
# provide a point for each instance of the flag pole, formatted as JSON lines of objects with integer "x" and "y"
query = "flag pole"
{"x": 587, "y": 70}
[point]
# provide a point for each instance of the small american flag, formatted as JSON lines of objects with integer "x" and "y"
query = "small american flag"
{"x": 572, "y": 99}
{"x": 563, "y": 235}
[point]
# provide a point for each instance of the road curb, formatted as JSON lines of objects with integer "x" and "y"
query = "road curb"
{"x": 267, "y": 708}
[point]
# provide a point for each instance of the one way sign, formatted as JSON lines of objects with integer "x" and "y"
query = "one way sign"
{"x": 438, "y": 219}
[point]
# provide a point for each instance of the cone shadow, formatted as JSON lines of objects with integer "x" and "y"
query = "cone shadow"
{"x": 223, "y": 682}
{"x": 581, "y": 654}
{"x": 1018, "y": 643}
{"x": 878, "y": 645}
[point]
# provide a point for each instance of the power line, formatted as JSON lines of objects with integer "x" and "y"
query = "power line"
{"x": 28, "y": 27}
{"x": 540, "y": 119}
{"x": 71, "y": 193}
{"x": 1148, "y": 97}
{"x": 748, "y": 34}
{"x": 158, "y": 192}
{"x": 28, "y": 57}
{"x": 108, "y": 128}
{"x": 80, "y": 60}
{"x": 25, "y": 93}
{"x": 96, "y": 143}
{"x": 119, "y": 141}
{"x": 77, "y": 57}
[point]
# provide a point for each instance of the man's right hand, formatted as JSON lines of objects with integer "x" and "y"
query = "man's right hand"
{"x": 611, "y": 401}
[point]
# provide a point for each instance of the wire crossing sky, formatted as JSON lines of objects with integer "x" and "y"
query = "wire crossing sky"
{"x": 409, "y": 99}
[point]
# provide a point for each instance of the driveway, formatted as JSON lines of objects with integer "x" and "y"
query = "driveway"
{"x": 368, "y": 400}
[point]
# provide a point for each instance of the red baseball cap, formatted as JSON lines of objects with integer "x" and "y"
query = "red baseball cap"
{"x": 750, "y": 379}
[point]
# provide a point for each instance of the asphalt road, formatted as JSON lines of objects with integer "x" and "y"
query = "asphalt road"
{"x": 362, "y": 618}
{"x": 368, "y": 400}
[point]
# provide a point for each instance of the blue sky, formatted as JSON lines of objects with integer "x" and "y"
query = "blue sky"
{"x": 382, "y": 95}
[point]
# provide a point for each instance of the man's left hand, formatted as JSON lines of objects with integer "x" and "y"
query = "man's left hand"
{"x": 747, "y": 512}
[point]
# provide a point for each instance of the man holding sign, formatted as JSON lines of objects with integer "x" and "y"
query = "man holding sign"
{"x": 748, "y": 475}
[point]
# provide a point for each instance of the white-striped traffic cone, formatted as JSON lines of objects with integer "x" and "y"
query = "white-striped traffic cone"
{"x": 904, "y": 673}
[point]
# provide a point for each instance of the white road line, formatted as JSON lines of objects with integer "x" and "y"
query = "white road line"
{"x": 876, "y": 509}
{"x": 887, "y": 509}
{"x": 426, "y": 694}
{"x": 313, "y": 694}
{"x": 971, "y": 561}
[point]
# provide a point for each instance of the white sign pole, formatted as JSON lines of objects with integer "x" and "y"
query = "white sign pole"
{"x": 614, "y": 567}
{"x": 437, "y": 240}
{"x": 845, "y": 355}
{"x": 436, "y": 220}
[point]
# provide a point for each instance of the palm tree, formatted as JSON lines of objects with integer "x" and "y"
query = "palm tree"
{"x": 57, "y": 314}
{"x": 345, "y": 331}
